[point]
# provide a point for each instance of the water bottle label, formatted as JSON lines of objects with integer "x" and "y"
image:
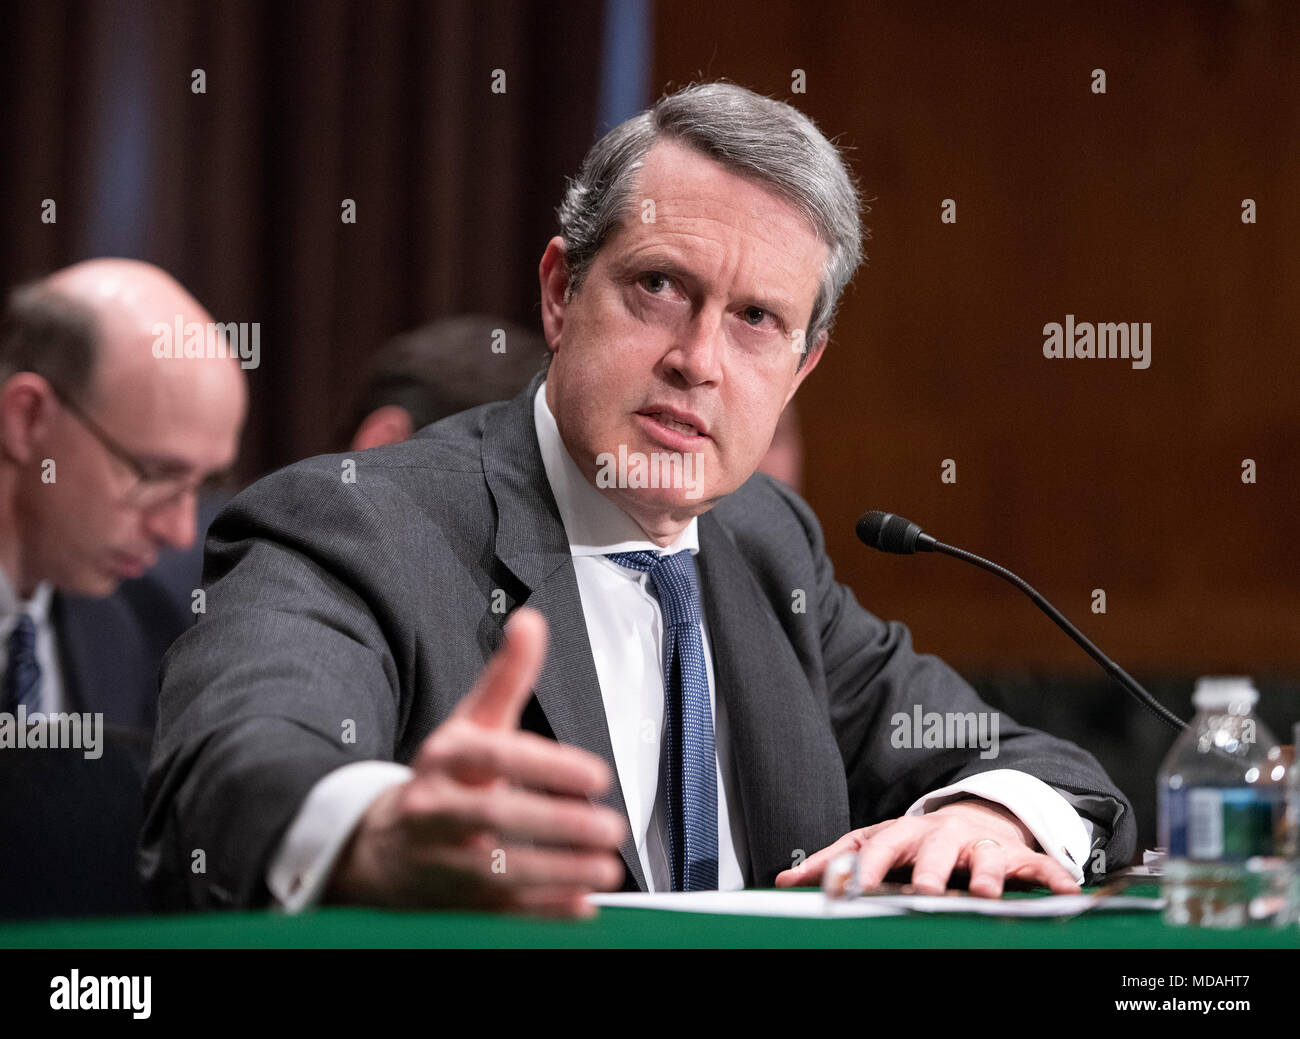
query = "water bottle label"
{"x": 1204, "y": 824}
{"x": 1230, "y": 824}
{"x": 1173, "y": 809}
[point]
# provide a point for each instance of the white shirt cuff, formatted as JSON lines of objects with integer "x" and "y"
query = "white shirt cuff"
{"x": 302, "y": 864}
{"x": 1056, "y": 826}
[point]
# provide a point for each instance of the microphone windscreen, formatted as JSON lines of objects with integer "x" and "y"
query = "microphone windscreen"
{"x": 888, "y": 532}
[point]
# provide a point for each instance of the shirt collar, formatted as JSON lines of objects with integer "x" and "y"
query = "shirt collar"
{"x": 11, "y": 607}
{"x": 593, "y": 524}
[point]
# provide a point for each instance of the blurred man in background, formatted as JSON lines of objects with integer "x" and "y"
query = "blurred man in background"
{"x": 103, "y": 448}
{"x": 438, "y": 369}
{"x": 784, "y": 459}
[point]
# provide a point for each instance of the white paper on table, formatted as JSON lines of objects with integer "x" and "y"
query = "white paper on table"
{"x": 809, "y": 904}
{"x": 813, "y": 905}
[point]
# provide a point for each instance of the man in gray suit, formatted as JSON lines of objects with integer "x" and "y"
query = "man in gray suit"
{"x": 712, "y": 708}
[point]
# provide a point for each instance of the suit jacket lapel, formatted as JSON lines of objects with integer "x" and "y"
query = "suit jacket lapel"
{"x": 789, "y": 772}
{"x": 531, "y": 543}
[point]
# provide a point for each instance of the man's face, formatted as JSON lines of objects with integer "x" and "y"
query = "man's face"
{"x": 685, "y": 336}
{"x": 87, "y": 530}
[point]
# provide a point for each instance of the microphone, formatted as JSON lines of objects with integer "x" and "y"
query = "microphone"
{"x": 890, "y": 532}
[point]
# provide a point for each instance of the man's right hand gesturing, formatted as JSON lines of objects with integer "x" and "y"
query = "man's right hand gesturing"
{"x": 493, "y": 818}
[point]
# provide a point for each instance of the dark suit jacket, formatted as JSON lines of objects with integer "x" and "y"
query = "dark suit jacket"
{"x": 367, "y": 608}
{"x": 110, "y": 648}
{"x": 70, "y": 826}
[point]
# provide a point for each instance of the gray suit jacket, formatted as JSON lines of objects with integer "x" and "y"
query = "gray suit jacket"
{"x": 364, "y": 610}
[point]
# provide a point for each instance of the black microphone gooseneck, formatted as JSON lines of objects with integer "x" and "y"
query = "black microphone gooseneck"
{"x": 890, "y": 532}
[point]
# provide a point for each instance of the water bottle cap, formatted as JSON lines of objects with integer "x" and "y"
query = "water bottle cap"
{"x": 1219, "y": 691}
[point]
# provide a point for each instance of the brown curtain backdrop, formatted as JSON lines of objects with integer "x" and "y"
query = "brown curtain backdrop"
{"x": 237, "y": 191}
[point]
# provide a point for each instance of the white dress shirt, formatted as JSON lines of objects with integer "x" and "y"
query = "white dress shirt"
{"x": 625, "y": 627}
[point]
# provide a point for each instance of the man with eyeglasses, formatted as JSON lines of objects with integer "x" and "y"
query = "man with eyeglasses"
{"x": 103, "y": 450}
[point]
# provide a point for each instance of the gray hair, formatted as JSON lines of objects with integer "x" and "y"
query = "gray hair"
{"x": 44, "y": 332}
{"x": 758, "y": 137}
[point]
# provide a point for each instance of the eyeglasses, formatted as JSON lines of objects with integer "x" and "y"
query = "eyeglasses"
{"x": 150, "y": 490}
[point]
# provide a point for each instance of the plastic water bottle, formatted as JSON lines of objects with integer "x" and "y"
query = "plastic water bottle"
{"x": 1291, "y": 831}
{"x": 1222, "y": 804}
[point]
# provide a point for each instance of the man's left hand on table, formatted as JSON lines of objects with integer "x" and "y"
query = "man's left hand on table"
{"x": 981, "y": 837}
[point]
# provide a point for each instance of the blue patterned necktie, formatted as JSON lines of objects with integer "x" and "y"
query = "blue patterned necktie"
{"x": 22, "y": 682}
{"x": 690, "y": 776}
